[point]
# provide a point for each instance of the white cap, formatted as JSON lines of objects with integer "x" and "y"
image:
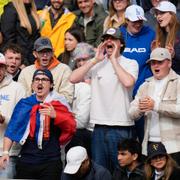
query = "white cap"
{"x": 165, "y": 6}
{"x": 135, "y": 13}
{"x": 159, "y": 54}
{"x": 75, "y": 156}
{"x": 2, "y": 59}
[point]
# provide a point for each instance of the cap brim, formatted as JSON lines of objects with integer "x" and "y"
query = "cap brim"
{"x": 155, "y": 154}
{"x": 140, "y": 18}
{"x": 107, "y": 35}
{"x": 43, "y": 47}
{"x": 71, "y": 168}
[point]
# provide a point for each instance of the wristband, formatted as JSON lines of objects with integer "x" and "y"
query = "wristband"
{"x": 94, "y": 61}
{"x": 5, "y": 153}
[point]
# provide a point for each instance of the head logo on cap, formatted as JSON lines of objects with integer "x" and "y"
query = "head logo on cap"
{"x": 111, "y": 31}
{"x": 155, "y": 147}
{"x": 138, "y": 12}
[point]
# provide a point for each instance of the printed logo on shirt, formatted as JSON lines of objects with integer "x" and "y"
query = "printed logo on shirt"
{"x": 132, "y": 50}
{"x": 4, "y": 98}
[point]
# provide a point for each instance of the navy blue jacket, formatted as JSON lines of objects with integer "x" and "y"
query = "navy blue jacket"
{"x": 96, "y": 172}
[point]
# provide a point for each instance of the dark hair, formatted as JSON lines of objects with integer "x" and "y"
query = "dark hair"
{"x": 15, "y": 48}
{"x": 131, "y": 145}
{"x": 79, "y": 36}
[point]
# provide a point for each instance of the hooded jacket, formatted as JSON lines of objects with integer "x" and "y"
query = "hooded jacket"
{"x": 10, "y": 93}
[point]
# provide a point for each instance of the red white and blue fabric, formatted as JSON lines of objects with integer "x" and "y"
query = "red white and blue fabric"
{"x": 26, "y": 120}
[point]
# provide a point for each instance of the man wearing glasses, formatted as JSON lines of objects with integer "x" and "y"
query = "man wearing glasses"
{"x": 40, "y": 123}
{"x": 45, "y": 59}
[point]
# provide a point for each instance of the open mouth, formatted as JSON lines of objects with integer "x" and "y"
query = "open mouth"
{"x": 157, "y": 70}
{"x": 109, "y": 46}
{"x": 40, "y": 88}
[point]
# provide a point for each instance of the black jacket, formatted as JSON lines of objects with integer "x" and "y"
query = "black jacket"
{"x": 136, "y": 174}
{"x": 96, "y": 172}
{"x": 13, "y": 32}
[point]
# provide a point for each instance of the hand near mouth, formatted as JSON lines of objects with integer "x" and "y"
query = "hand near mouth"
{"x": 115, "y": 53}
{"x": 100, "y": 52}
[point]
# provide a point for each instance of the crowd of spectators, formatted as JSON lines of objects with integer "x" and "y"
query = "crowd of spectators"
{"x": 90, "y": 89}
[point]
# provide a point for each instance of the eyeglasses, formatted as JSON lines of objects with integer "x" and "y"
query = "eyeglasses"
{"x": 43, "y": 80}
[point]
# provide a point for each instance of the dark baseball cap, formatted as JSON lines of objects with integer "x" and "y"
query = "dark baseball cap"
{"x": 115, "y": 33}
{"x": 42, "y": 43}
{"x": 45, "y": 72}
{"x": 155, "y": 149}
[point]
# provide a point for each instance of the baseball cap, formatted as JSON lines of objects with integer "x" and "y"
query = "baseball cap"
{"x": 75, "y": 156}
{"x": 45, "y": 72}
{"x": 112, "y": 32}
{"x": 135, "y": 13}
{"x": 2, "y": 59}
{"x": 155, "y": 149}
{"x": 42, "y": 43}
{"x": 159, "y": 54}
{"x": 83, "y": 50}
{"x": 164, "y": 6}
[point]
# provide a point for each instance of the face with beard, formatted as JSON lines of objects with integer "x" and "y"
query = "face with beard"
{"x": 57, "y": 4}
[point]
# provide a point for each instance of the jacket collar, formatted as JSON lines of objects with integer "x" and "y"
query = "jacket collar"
{"x": 54, "y": 62}
{"x": 171, "y": 76}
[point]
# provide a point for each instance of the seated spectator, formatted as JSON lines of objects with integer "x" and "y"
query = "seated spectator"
{"x": 40, "y": 123}
{"x": 20, "y": 24}
{"x": 82, "y": 100}
{"x": 130, "y": 161}
{"x": 160, "y": 165}
{"x": 73, "y": 36}
{"x": 43, "y": 51}
{"x": 158, "y": 99}
{"x": 80, "y": 166}
{"x": 14, "y": 59}
{"x": 90, "y": 19}
{"x": 116, "y": 14}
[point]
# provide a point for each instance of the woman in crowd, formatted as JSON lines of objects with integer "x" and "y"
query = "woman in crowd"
{"x": 160, "y": 165}
{"x": 168, "y": 31}
{"x": 116, "y": 13}
{"x": 20, "y": 24}
{"x": 73, "y": 36}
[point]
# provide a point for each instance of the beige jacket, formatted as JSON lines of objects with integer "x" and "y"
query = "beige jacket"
{"x": 60, "y": 74}
{"x": 168, "y": 109}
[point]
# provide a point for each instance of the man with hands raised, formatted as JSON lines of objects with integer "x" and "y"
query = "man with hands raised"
{"x": 112, "y": 79}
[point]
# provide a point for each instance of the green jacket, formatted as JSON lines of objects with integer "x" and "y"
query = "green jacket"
{"x": 94, "y": 29}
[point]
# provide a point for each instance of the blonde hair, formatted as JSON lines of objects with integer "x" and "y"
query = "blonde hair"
{"x": 170, "y": 165}
{"x": 112, "y": 11}
{"x": 167, "y": 38}
{"x": 24, "y": 21}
